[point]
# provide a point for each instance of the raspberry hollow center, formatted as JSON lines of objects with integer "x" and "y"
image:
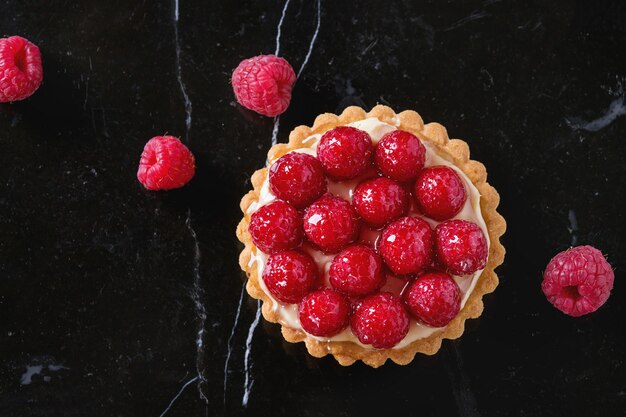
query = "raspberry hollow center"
{"x": 20, "y": 59}
{"x": 570, "y": 291}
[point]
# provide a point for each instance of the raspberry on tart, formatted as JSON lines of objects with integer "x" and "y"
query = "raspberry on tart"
{"x": 324, "y": 312}
{"x": 439, "y": 192}
{"x": 406, "y": 245}
{"x": 345, "y": 152}
{"x": 433, "y": 299}
{"x": 461, "y": 247}
{"x": 276, "y": 227}
{"x": 290, "y": 275}
{"x": 379, "y": 201}
{"x": 400, "y": 155}
{"x": 330, "y": 223}
{"x": 298, "y": 179}
{"x": 380, "y": 320}
{"x": 357, "y": 270}
{"x": 578, "y": 281}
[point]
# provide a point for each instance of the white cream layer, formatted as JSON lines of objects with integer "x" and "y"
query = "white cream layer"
{"x": 471, "y": 211}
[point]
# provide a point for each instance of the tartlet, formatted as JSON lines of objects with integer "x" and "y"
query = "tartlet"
{"x": 451, "y": 152}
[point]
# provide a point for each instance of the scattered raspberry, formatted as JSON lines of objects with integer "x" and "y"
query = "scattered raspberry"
{"x": 324, "y": 313}
{"x": 380, "y": 320}
{"x": 345, "y": 152}
{"x": 330, "y": 223}
{"x": 20, "y": 69}
{"x": 578, "y": 281}
{"x": 357, "y": 270}
{"x": 263, "y": 84}
{"x": 165, "y": 164}
{"x": 440, "y": 192}
{"x": 379, "y": 201}
{"x": 433, "y": 299}
{"x": 276, "y": 227}
{"x": 400, "y": 155}
{"x": 461, "y": 247}
{"x": 290, "y": 275}
{"x": 406, "y": 245}
{"x": 297, "y": 178}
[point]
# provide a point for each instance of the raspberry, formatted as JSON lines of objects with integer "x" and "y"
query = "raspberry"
{"x": 165, "y": 164}
{"x": 263, "y": 84}
{"x": 330, "y": 223}
{"x": 461, "y": 247}
{"x": 433, "y": 299}
{"x": 290, "y": 275}
{"x": 400, "y": 155}
{"x": 20, "y": 69}
{"x": 379, "y": 201}
{"x": 357, "y": 270}
{"x": 578, "y": 281}
{"x": 380, "y": 320}
{"x": 345, "y": 152}
{"x": 298, "y": 179}
{"x": 276, "y": 227}
{"x": 324, "y": 313}
{"x": 439, "y": 192}
{"x": 406, "y": 245}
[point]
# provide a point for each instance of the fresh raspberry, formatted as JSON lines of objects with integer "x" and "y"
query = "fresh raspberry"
{"x": 166, "y": 163}
{"x": 297, "y": 178}
{"x": 290, "y": 275}
{"x": 276, "y": 227}
{"x": 379, "y": 201}
{"x": 324, "y": 313}
{"x": 439, "y": 192}
{"x": 20, "y": 69}
{"x": 406, "y": 245}
{"x": 345, "y": 152}
{"x": 578, "y": 281}
{"x": 357, "y": 270}
{"x": 400, "y": 155}
{"x": 380, "y": 320}
{"x": 461, "y": 247}
{"x": 433, "y": 299}
{"x": 331, "y": 223}
{"x": 263, "y": 84}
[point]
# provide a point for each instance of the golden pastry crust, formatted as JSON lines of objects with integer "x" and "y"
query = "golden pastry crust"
{"x": 455, "y": 150}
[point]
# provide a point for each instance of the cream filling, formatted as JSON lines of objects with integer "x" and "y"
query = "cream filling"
{"x": 288, "y": 314}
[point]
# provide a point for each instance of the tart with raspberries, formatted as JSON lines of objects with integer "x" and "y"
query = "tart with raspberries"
{"x": 371, "y": 236}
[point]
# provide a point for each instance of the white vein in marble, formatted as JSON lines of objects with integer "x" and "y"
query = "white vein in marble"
{"x": 230, "y": 339}
{"x": 247, "y": 361}
{"x": 179, "y": 74}
{"x": 313, "y": 38}
{"x": 616, "y": 109}
{"x": 169, "y": 407}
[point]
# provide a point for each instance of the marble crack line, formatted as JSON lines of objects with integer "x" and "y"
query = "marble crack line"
{"x": 573, "y": 226}
{"x": 196, "y": 295}
{"x": 179, "y": 74}
{"x": 247, "y": 362}
{"x": 616, "y": 109}
{"x": 280, "y": 25}
{"x": 313, "y": 38}
{"x": 169, "y": 407}
{"x": 230, "y": 339}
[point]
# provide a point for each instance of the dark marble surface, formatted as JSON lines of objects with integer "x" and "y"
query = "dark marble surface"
{"x": 105, "y": 287}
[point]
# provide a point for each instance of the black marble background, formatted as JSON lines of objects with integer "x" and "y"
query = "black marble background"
{"x": 104, "y": 286}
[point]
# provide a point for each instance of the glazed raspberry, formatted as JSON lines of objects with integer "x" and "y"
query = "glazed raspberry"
{"x": 290, "y": 275}
{"x": 400, "y": 155}
{"x": 379, "y": 201}
{"x": 357, "y": 270}
{"x": 380, "y": 320}
{"x": 433, "y": 299}
{"x": 165, "y": 164}
{"x": 406, "y": 245}
{"x": 20, "y": 69}
{"x": 345, "y": 152}
{"x": 330, "y": 223}
{"x": 578, "y": 281}
{"x": 324, "y": 313}
{"x": 263, "y": 84}
{"x": 461, "y": 247}
{"x": 439, "y": 192}
{"x": 276, "y": 227}
{"x": 298, "y": 179}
